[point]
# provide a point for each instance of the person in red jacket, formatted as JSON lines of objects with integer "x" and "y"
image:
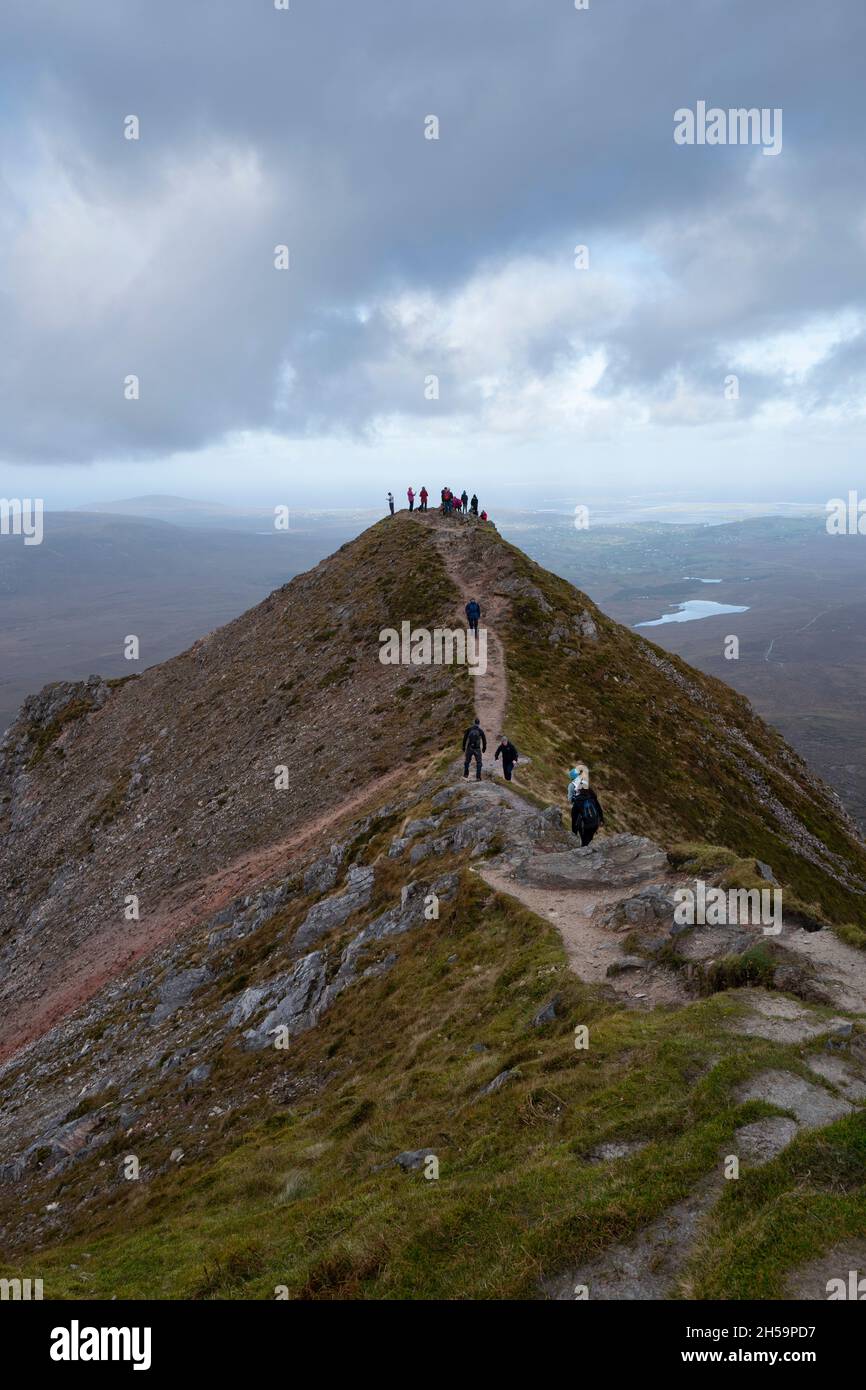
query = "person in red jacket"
{"x": 423, "y": 494}
{"x": 410, "y": 494}
{"x": 483, "y": 516}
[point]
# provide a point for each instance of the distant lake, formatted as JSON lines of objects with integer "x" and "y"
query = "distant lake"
{"x": 693, "y": 609}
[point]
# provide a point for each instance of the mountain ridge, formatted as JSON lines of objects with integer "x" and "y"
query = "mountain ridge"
{"x": 107, "y": 752}
{"x": 412, "y": 1032}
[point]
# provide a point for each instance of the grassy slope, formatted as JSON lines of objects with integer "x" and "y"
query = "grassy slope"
{"x": 300, "y": 1200}
{"x": 658, "y": 752}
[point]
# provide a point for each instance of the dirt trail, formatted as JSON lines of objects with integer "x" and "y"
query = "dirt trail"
{"x": 589, "y": 947}
{"x": 472, "y": 581}
{"x": 108, "y": 954}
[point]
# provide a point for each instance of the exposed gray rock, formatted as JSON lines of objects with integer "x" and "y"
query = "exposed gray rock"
{"x": 298, "y": 1003}
{"x": 498, "y": 1082}
{"x": 420, "y": 827}
{"x": 840, "y": 1074}
{"x": 442, "y": 798}
{"x": 765, "y": 871}
{"x": 759, "y": 1142}
{"x": 646, "y": 1266}
{"x": 616, "y": 1149}
{"x": 615, "y": 860}
{"x": 799, "y": 978}
{"x": 650, "y": 909}
{"x": 422, "y": 851}
{"x": 381, "y": 967}
{"x": 197, "y": 1076}
{"x": 176, "y": 990}
{"x": 812, "y": 1105}
{"x": 333, "y": 912}
{"x": 547, "y": 1012}
{"x": 779, "y": 1019}
{"x": 247, "y": 1005}
{"x": 322, "y": 875}
{"x": 586, "y": 626}
{"x": 409, "y": 914}
{"x": 837, "y": 1272}
{"x": 703, "y": 943}
{"x": 524, "y": 588}
{"x": 625, "y": 964}
{"x": 413, "y": 1159}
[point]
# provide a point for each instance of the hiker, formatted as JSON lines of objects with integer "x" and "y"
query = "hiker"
{"x": 464, "y": 498}
{"x": 410, "y": 494}
{"x": 483, "y": 516}
{"x": 474, "y": 744}
{"x": 423, "y": 494}
{"x": 586, "y": 812}
{"x": 508, "y": 753}
{"x": 473, "y": 505}
{"x": 473, "y": 613}
{"x": 391, "y": 502}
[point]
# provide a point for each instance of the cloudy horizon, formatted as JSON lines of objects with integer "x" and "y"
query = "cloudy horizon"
{"x": 438, "y": 315}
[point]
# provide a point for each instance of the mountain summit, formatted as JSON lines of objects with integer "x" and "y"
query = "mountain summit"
{"x": 259, "y": 935}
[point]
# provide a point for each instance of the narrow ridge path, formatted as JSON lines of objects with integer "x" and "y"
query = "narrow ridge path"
{"x": 454, "y": 543}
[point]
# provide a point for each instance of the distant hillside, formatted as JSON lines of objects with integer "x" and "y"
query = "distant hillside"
{"x": 67, "y": 605}
{"x": 802, "y": 653}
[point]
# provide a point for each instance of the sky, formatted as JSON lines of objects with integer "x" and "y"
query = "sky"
{"x": 435, "y": 322}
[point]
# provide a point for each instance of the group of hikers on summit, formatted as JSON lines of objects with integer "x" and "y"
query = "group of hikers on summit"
{"x": 461, "y": 503}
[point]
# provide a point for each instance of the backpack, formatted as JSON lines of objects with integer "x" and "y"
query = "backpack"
{"x": 473, "y": 742}
{"x": 588, "y": 813}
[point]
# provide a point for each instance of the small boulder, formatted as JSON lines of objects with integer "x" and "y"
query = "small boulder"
{"x": 547, "y": 1012}
{"x": 625, "y": 964}
{"x": 498, "y": 1082}
{"x": 413, "y": 1159}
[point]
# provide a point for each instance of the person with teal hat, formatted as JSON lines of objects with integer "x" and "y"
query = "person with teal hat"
{"x": 586, "y": 812}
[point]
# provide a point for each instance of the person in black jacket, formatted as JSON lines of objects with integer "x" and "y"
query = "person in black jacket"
{"x": 473, "y": 613}
{"x": 474, "y": 744}
{"x": 508, "y": 753}
{"x": 586, "y": 814}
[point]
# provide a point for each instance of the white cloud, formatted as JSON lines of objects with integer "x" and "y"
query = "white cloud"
{"x": 792, "y": 355}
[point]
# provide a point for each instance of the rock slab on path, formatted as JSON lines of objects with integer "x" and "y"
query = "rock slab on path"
{"x": 617, "y": 860}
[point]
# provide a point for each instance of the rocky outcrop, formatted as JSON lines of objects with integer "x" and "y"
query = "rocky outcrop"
{"x": 333, "y": 912}
{"x": 615, "y": 860}
{"x": 322, "y": 876}
{"x": 650, "y": 910}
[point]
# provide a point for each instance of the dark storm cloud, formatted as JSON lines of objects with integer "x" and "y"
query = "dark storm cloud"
{"x": 260, "y": 127}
